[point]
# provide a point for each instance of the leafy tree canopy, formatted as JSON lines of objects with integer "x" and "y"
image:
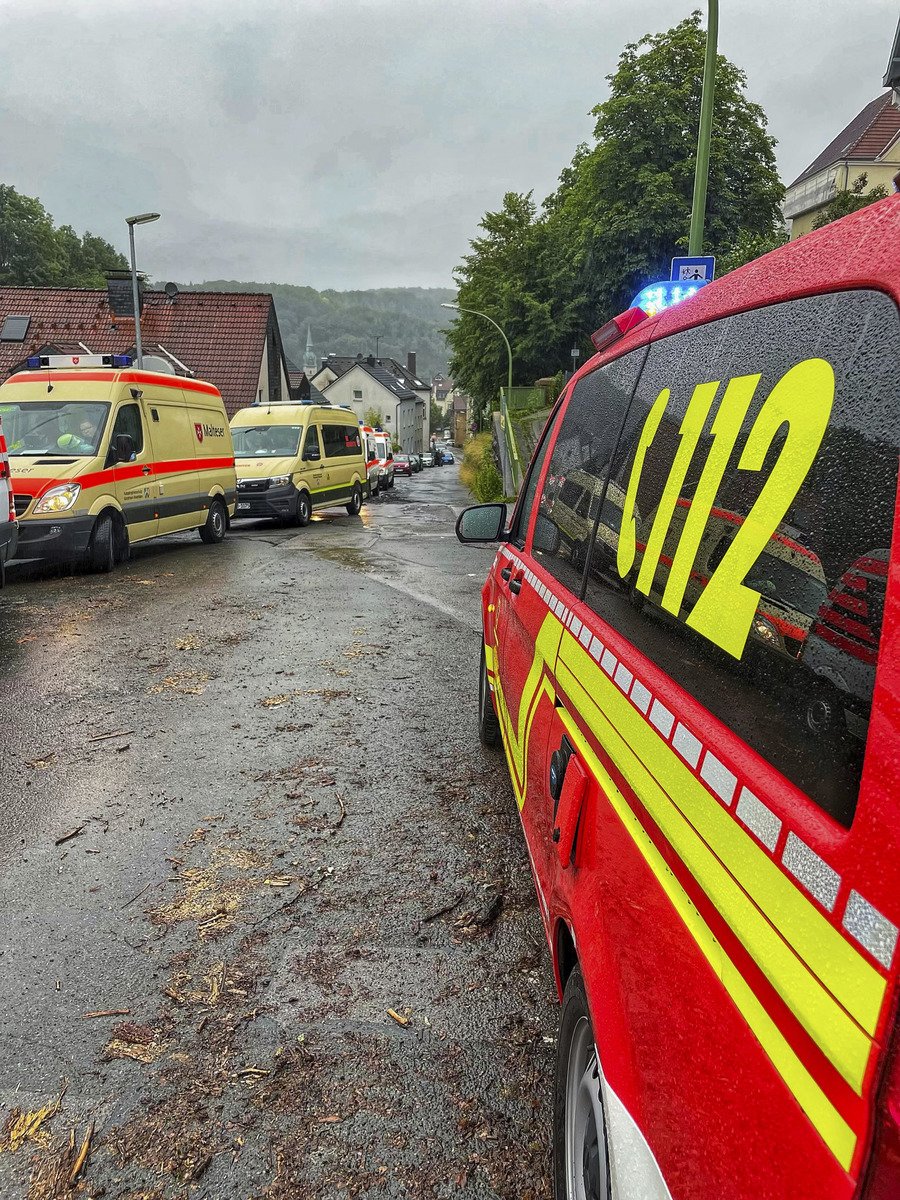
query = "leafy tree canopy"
{"x": 34, "y": 252}
{"x": 620, "y": 212}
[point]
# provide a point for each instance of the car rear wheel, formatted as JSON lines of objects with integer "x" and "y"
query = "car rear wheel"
{"x": 216, "y": 523}
{"x": 355, "y": 501}
{"x": 102, "y": 548}
{"x": 488, "y": 725}
{"x": 580, "y": 1158}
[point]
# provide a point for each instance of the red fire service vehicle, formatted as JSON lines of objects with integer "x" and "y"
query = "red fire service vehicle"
{"x": 692, "y": 659}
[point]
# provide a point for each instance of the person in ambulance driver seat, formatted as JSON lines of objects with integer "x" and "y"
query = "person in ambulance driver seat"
{"x": 83, "y": 442}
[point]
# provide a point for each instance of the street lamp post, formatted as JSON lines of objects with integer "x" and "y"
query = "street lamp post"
{"x": 514, "y": 453}
{"x": 142, "y": 219}
{"x": 707, "y": 96}
{"x": 378, "y": 337}
{"x": 474, "y": 313}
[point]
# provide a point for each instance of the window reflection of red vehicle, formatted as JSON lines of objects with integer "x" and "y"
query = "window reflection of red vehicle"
{"x": 842, "y": 647}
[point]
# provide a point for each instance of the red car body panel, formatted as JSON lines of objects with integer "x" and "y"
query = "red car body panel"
{"x": 720, "y": 1064}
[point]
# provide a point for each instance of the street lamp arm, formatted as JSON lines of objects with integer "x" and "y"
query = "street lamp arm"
{"x": 476, "y": 313}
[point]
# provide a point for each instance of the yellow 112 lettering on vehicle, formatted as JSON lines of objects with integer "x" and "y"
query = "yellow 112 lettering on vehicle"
{"x": 801, "y": 401}
{"x": 691, "y": 638}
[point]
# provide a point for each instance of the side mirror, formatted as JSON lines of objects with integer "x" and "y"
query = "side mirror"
{"x": 481, "y": 523}
{"x": 311, "y": 454}
{"x": 123, "y": 448}
{"x": 546, "y": 536}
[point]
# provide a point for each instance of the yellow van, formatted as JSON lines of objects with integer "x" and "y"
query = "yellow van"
{"x": 295, "y": 458}
{"x": 104, "y": 455}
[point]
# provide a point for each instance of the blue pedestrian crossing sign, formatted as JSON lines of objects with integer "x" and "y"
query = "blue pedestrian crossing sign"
{"x": 697, "y": 269}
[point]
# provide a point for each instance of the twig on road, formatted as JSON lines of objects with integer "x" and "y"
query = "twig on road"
{"x": 107, "y": 1012}
{"x": 71, "y": 834}
{"x": 341, "y": 818}
{"x": 101, "y": 737}
{"x": 139, "y": 894}
{"x": 442, "y": 912}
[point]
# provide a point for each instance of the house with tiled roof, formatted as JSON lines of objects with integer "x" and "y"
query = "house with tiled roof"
{"x": 231, "y": 339}
{"x": 366, "y": 386}
{"x": 869, "y": 145}
{"x": 335, "y": 366}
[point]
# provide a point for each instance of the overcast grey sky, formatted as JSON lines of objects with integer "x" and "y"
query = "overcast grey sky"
{"x": 356, "y": 143}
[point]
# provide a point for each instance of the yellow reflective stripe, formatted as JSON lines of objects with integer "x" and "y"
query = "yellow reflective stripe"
{"x": 836, "y": 1034}
{"x": 489, "y": 657}
{"x": 855, "y": 984}
{"x": 516, "y": 743}
{"x": 834, "y": 1130}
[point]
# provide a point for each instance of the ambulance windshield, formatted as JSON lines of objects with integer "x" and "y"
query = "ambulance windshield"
{"x": 266, "y": 441}
{"x": 72, "y": 428}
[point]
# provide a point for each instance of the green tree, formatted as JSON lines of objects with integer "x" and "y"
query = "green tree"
{"x": 503, "y": 278}
{"x": 620, "y": 212}
{"x": 373, "y": 416}
{"x": 34, "y": 252}
{"x": 623, "y": 209}
{"x": 850, "y": 200}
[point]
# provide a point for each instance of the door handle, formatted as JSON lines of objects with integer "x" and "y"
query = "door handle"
{"x": 505, "y": 573}
{"x": 515, "y": 585}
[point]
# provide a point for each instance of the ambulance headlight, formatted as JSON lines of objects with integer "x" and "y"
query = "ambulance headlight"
{"x": 279, "y": 480}
{"x": 58, "y": 499}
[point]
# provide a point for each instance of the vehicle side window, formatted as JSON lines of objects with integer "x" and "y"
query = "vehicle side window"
{"x": 311, "y": 442}
{"x": 128, "y": 420}
{"x": 341, "y": 440}
{"x": 522, "y": 515}
{"x": 576, "y": 479}
{"x": 747, "y": 545}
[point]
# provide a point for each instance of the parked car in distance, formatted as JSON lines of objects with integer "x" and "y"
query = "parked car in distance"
{"x": 447, "y": 457}
{"x": 403, "y": 464}
{"x": 428, "y": 459}
{"x": 416, "y": 460}
{"x": 690, "y": 657}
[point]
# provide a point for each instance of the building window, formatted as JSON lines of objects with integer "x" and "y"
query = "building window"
{"x": 14, "y": 329}
{"x": 357, "y": 394}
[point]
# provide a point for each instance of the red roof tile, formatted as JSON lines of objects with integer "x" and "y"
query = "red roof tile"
{"x": 866, "y": 138}
{"x": 219, "y": 336}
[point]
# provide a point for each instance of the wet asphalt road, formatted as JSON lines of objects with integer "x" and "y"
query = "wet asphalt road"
{"x": 292, "y": 881}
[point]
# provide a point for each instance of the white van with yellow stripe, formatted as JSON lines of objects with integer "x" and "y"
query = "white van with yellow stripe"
{"x": 9, "y": 529}
{"x": 104, "y": 455}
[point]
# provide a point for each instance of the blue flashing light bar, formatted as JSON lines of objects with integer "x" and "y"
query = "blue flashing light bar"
{"x": 37, "y": 362}
{"x": 668, "y": 292}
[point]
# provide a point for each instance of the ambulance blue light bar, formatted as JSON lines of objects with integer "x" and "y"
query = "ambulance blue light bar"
{"x": 668, "y": 292}
{"x": 65, "y": 361}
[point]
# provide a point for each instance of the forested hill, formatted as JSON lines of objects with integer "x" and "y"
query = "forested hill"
{"x": 348, "y": 322}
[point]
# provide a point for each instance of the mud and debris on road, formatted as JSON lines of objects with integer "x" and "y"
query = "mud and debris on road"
{"x": 292, "y": 949}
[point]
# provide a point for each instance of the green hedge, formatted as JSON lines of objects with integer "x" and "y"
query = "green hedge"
{"x": 479, "y": 470}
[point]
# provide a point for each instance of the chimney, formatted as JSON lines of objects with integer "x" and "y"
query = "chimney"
{"x": 371, "y": 360}
{"x": 411, "y": 363}
{"x": 119, "y": 293}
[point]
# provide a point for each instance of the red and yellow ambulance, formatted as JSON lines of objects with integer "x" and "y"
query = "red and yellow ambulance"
{"x": 698, "y": 693}
{"x": 104, "y": 455}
